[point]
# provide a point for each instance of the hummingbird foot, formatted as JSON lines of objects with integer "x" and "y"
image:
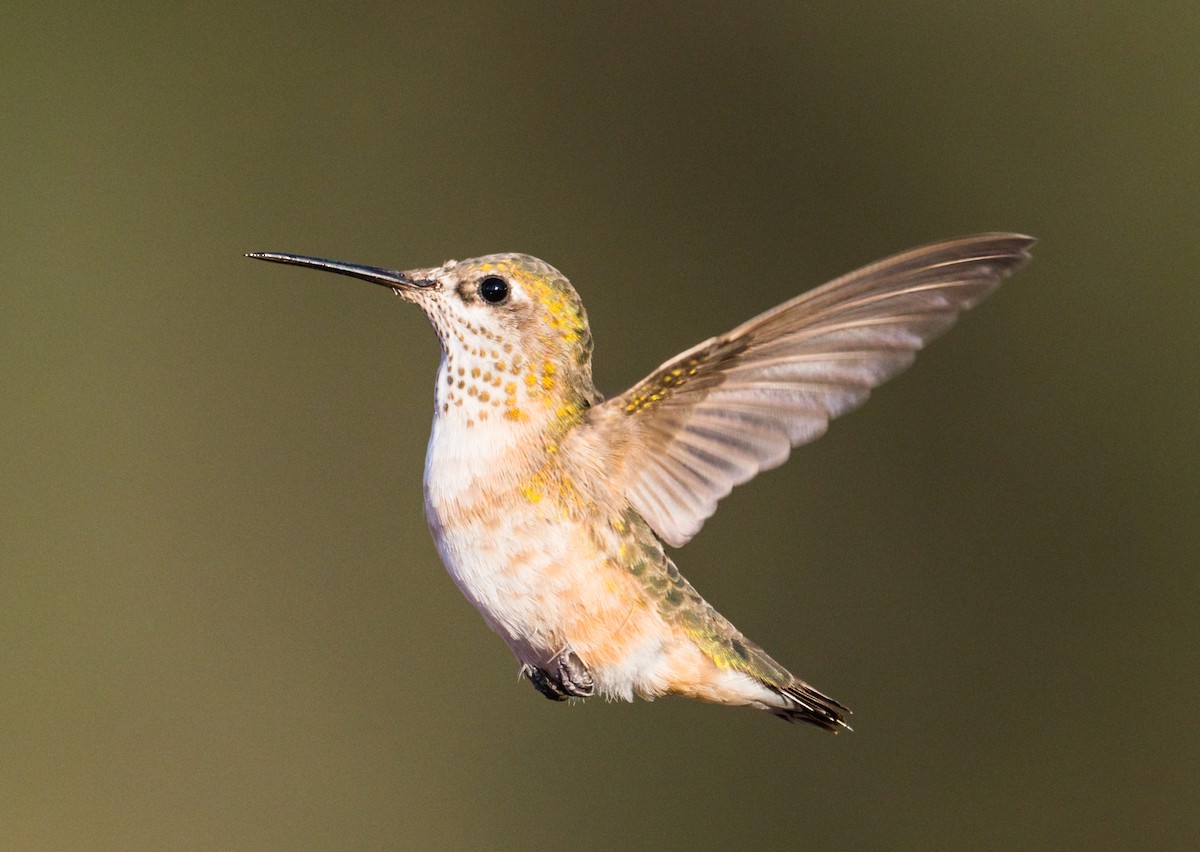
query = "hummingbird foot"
{"x": 574, "y": 676}
{"x": 544, "y": 683}
{"x": 572, "y": 680}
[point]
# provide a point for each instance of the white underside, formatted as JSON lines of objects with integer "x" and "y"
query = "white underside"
{"x": 522, "y": 568}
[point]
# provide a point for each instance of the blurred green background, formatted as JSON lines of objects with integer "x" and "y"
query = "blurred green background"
{"x": 223, "y": 622}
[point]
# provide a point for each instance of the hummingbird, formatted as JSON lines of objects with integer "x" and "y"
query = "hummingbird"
{"x": 551, "y": 506}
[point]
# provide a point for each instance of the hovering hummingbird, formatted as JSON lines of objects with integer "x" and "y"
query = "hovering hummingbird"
{"x": 549, "y": 505}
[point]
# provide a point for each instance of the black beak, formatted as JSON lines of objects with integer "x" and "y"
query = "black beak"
{"x": 376, "y": 275}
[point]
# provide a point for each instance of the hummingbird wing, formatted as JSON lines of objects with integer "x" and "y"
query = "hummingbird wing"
{"x": 714, "y": 416}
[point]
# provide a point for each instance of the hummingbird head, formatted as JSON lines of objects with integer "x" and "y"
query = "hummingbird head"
{"x": 515, "y": 339}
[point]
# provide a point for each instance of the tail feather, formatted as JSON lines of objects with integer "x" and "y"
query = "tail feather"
{"x": 802, "y": 703}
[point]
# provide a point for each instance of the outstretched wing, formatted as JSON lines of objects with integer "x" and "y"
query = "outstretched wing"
{"x": 716, "y": 415}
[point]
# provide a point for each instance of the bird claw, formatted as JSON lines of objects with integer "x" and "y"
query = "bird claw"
{"x": 572, "y": 680}
{"x": 546, "y": 685}
{"x": 575, "y": 677}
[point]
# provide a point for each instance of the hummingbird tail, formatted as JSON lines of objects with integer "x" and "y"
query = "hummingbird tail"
{"x": 799, "y": 702}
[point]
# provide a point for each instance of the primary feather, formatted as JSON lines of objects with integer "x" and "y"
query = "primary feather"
{"x": 714, "y": 416}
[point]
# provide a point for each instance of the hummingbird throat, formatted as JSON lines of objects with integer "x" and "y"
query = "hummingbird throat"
{"x": 540, "y": 379}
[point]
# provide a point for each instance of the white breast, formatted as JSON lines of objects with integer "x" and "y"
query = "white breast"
{"x": 499, "y": 549}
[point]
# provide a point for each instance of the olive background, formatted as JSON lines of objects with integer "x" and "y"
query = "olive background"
{"x": 223, "y": 625}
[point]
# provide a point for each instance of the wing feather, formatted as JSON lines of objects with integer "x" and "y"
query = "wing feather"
{"x": 714, "y": 416}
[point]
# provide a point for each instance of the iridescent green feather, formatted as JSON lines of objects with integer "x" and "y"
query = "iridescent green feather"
{"x": 680, "y": 604}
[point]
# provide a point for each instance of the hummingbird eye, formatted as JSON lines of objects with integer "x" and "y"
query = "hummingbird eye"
{"x": 493, "y": 290}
